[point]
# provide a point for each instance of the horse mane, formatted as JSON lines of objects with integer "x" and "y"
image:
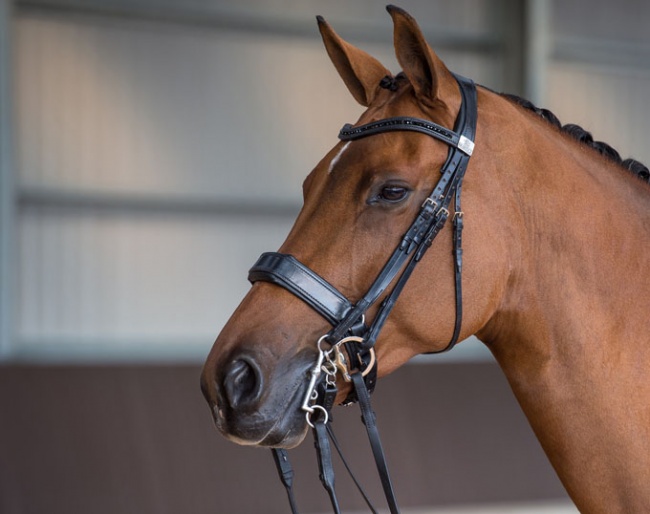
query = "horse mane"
{"x": 578, "y": 133}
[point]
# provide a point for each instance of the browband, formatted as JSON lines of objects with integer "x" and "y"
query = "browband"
{"x": 350, "y": 132}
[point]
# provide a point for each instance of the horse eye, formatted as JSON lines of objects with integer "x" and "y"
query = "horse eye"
{"x": 393, "y": 193}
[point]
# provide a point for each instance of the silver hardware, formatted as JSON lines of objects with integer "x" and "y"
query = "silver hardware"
{"x": 311, "y": 388}
{"x": 330, "y": 362}
{"x": 314, "y": 409}
{"x": 465, "y": 145}
{"x": 431, "y": 202}
{"x": 330, "y": 368}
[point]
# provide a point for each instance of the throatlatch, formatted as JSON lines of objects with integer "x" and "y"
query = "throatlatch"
{"x": 357, "y": 363}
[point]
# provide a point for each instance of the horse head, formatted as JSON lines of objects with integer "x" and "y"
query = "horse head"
{"x": 358, "y": 202}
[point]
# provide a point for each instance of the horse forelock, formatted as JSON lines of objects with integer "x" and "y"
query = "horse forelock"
{"x": 391, "y": 82}
{"x": 401, "y": 99}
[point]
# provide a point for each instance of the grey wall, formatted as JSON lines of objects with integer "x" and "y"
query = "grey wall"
{"x": 149, "y": 136}
{"x": 145, "y": 137}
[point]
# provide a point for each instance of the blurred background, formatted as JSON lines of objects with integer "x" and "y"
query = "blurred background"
{"x": 150, "y": 151}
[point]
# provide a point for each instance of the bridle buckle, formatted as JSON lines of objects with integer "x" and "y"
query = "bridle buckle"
{"x": 429, "y": 201}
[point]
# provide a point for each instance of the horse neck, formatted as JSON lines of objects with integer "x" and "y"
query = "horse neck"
{"x": 571, "y": 333}
{"x": 583, "y": 246}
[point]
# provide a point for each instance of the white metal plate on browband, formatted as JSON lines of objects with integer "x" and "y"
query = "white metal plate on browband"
{"x": 465, "y": 145}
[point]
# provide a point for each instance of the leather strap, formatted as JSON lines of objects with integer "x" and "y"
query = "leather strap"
{"x": 286, "y": 271}
{"x": 285, "y": 471}
{"x": 349, "y": 470}
{"x": 370, "y": 421}
{"x": 470, "y": 114}
{"x": 324, "y": 454}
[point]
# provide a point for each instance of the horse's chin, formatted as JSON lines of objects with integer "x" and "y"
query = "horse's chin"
{"x": 274, "y": 439}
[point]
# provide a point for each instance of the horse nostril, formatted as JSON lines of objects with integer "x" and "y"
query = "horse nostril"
{"x": 242, "y": 382}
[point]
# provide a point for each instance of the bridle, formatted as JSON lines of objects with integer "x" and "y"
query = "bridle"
{"x": 357, "y": 363}
{"x": 348, "y": 320}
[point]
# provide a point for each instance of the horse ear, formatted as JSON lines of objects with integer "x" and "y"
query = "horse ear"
{"x": 360, "y": 72}
{"x": 429, "y": 76}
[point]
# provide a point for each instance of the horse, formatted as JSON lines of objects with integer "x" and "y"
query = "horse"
{"x": 555, "y": 274}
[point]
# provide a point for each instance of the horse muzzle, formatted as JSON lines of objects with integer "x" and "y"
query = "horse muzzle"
{"x": 258, "y": 403}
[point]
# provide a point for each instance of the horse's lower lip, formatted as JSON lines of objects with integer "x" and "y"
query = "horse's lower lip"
{"x": 288, "y": 439}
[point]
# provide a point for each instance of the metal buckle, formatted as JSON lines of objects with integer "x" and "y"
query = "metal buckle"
{"x": 431, "y": 202}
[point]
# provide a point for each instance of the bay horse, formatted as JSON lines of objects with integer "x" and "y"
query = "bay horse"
{"x": 555, "y": 279}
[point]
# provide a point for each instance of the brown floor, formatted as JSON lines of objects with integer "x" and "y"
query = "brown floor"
{"x": 122, "y": 439}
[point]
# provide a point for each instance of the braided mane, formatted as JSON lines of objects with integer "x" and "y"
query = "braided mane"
{"x": 580, "y": 134}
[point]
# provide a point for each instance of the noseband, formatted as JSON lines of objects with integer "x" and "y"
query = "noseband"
{"x": 349, "y": 329}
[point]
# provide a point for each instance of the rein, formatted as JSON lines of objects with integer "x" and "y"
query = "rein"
{"x": 348, "y": 320}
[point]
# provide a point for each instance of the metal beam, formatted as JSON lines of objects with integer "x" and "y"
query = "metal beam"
{"x": 537, "y": 20}
{"x": 631, "y": 57}
{"x": 121, "y": 203}
{"x": 7, "y": 197}
{"x": 216, "y": 17}
{"x": 507, "y": 18}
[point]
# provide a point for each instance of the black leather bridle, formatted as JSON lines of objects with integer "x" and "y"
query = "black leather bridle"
{"x": 358, "y": 364}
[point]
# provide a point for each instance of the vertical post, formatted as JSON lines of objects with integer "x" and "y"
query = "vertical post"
{"x": 537, "y": 17}
{"x": 7, "y": 186}
{"x": 508, "y": 20}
